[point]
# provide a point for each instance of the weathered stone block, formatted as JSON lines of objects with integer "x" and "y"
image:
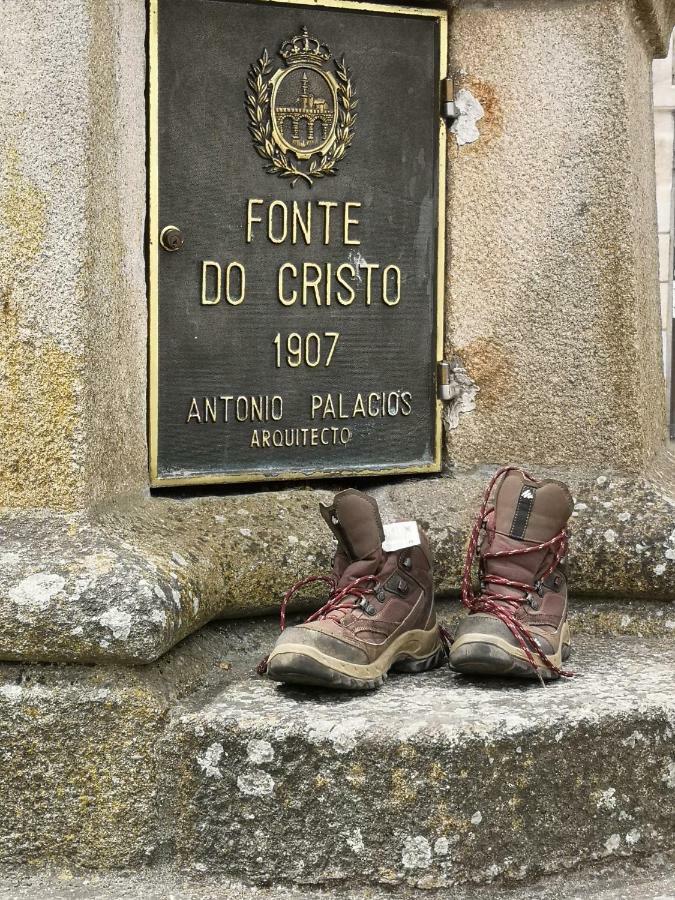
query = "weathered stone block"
{"x": 72, "y": 273}
{"x": 552, "y": 281}
{"x": 434, "y": 780}
{"x": 79, "y": 760}
{"x": 196, "y": 762}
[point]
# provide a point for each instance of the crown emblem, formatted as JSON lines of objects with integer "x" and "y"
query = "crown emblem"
{"x": 301, "y": 116}
{"x": 303, "y": 48}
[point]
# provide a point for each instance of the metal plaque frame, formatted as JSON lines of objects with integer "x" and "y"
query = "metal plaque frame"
{"x": 154, "y": 250}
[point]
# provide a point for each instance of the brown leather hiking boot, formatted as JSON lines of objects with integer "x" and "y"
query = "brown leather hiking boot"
{"x": 379, "y": 615}
{"x": 517, "y": 625}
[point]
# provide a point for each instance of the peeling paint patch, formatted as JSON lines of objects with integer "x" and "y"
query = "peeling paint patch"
{"x": 210, "y": 760}
{"x": 465, "y": 390}
{"x": 669, "y": 775}
{"x": 470, "y": 111}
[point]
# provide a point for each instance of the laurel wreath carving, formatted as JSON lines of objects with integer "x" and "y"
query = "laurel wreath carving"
{"x": 260, "y": 125}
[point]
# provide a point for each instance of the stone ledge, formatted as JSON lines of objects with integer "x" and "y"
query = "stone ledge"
{"x": 127, "y": 583}
{"x": 107, "y": 767}
{"x": 434, "y": 781}
{"x": 652, "y": 878}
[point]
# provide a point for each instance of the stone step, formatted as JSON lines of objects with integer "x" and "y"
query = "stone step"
{"x": 196, "y": 762}
{"x": 433, "y": 781}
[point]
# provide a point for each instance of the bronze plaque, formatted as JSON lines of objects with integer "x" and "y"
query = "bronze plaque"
{"x": 295, "y": 239}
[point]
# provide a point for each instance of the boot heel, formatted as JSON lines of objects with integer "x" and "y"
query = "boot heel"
{"x": 413, "y": 666}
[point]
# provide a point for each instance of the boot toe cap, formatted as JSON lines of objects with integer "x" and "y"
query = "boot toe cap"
{"x": 305, "y": 637}
{"x": 482, "y": 626}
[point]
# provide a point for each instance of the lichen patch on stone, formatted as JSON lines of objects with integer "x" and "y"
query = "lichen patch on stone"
{"x": 255, "y": 783}
{"x": 613, "y": 843}
{"x": 259, "y": 752}
{"x": 37, "y": 590}
{"x": 441, "y": 846}
{"x": 607, "y": 799}
{"x": 210, "y": 760}
{"x": 416, "y": 852}
{"x": 354, "y": 841}
{"x": 119, "y": 622}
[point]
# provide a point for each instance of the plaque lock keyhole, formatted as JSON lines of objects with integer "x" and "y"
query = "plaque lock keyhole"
{"x": 171, "y": 238}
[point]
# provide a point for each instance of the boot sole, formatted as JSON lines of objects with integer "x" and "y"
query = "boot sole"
{"x": 480, "y": 654}
{"x": 413, "y": 652}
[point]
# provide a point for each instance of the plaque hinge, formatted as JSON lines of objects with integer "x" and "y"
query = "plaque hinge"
{"x": 446, "y": 386}
{"x": 449, "y": 109}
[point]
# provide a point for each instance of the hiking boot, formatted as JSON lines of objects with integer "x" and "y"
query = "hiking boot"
{"x": 380, "y": 612}
{"x": 517, "y": 624}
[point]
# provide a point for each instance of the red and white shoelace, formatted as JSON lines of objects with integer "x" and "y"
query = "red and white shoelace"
{"x": 337, "y": 599}
{"x": 503, "y": 606}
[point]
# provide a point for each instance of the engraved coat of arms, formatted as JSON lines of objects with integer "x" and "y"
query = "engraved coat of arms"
{"x": 301, "y": 117}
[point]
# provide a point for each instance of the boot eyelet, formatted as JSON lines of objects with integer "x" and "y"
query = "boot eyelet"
{"x": 534, "y": 603}
{"x": 403, "y": 586}
{"x": 380, "y": 594}
{"x": 406, "y": 562}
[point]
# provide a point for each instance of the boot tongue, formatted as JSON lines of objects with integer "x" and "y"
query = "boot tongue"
{"x": 355, "y": 521}
{"x": 526, "y": 512}
{"x": 357, "y": 525}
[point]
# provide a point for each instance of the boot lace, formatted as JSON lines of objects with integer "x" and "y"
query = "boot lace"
{"x": 504, "y": 606}
{"x": 339, "y": 601}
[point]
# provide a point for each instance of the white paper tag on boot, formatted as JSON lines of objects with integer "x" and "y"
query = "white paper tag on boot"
{"x": 399, "y": 535}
